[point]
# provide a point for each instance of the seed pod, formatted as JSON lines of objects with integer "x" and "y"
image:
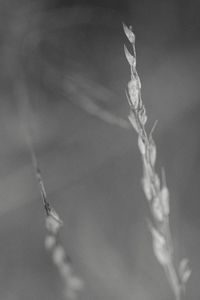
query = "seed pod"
{"x": 186, "y": 275}
{"x": 164, "y": 197}
{"x": 147, "y": 169}
{"x": 52, "y": 225}
{"x": 133, "y": 93}
{"x": 58, "y": 255}
{"x": 141, "y": 145}
{"x": 157, "y": 209}
{"x": 130, "y": 58}
{"x": 133, "y": 121}
{"x": 152, "y": 151}
{"x": 55, "y": 216}
{"x": 73, "y": 285}
{"x": 142, "y": 115}
{"x": 129, "y": 33}
{"x": 159, "y": 247}
{"x": 184, "y": 270}
{"x": 138, "y": 81}
{"x": 49, "y": 242}
{"x": 65, "y": 270}
{"x": 157, "y": 181}
{"x": 147, "y": 188}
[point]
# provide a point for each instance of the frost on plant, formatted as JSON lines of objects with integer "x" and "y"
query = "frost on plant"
{"x": 155, "y": 189}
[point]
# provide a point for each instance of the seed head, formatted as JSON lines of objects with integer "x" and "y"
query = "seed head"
{"x": 133, "y": 93}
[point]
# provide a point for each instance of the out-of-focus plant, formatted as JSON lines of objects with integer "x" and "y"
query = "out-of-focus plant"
{"x": 72, "y": 283}
{"x": 155, "y": 189}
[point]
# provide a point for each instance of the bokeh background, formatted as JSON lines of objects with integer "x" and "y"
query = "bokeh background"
{"x": 62, "y": 76}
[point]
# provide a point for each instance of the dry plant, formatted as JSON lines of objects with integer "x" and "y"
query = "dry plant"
{"x": 155, "y": 189}
{"x": 72, "y": 283}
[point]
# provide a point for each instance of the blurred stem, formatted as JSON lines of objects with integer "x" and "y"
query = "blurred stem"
{"x": 173, "y": 280}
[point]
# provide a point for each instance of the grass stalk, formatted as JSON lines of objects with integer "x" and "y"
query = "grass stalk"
{"x": 155, "y": 189}
{"x": 53, "y": 222}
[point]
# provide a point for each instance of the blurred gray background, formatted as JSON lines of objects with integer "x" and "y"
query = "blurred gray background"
{"x": 63, "y": 76}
